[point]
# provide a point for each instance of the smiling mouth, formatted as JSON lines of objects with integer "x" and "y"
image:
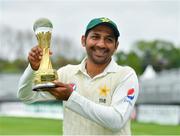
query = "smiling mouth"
{"x": 100, "y": 52}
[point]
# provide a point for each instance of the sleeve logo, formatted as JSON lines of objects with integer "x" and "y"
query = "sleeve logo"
{"x": 130, "y": 96}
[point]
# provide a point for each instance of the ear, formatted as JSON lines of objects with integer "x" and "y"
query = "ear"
{"x": 117, "y": 44}
{"x": 83, "y": 40}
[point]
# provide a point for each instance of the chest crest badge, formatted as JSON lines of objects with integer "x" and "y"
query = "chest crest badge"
{"x": 104, "y": 91}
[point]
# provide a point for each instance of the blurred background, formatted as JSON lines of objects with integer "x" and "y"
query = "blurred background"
{"x": 149, "y": 43}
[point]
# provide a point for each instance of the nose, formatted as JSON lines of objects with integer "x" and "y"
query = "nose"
{"x": 101, "y": 43}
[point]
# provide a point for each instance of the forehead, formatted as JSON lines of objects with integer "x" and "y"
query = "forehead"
{"x": 104, "y": 29}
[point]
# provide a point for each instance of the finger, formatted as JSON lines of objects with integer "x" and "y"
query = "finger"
{"x": 37, "y": 50}
{"x": 30, "y": 58}
{"x": 50, "y": 52}
{"x": 37, "y": 55}
{"x": 58, "y": 84}
{"x": 34, "y": 49}
{"x": 54, "y": 93}
{"x": 40, "y": 51}
{"x": 34, "y": 55}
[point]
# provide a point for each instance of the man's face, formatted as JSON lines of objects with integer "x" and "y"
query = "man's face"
{"x": 100, "y": 44}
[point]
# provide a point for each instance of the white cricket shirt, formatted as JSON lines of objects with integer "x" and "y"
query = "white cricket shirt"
{"x": 99, "y": 105}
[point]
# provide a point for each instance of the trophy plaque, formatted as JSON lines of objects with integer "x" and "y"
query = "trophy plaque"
{"x": 44, "y": 76}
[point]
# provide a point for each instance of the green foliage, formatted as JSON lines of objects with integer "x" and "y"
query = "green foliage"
{"x": 61, "y": 61}
{"x": 12, "y": 67}
{"x": 131, "y": 59}
{"x": 160, "y": 54}
{"x": 19, "y": 65}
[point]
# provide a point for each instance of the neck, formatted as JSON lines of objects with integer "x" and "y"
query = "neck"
{"x": 94, "y": 69}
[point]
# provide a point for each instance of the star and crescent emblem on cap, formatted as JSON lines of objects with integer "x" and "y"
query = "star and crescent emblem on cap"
{"x": 105, "y": 19}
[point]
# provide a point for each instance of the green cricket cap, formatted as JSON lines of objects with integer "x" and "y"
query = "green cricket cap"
{"x": 102, "y": 21}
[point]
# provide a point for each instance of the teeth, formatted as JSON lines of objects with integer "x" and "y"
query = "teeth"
{"x": 100, "y": 52}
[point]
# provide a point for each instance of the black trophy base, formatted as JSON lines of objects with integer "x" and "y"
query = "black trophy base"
{"x": 43, "y": 87}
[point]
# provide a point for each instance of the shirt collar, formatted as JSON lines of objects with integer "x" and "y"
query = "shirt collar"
{"x": 111, "y": 67}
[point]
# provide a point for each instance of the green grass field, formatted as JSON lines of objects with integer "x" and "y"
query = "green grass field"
{"x": 36, "y": 126}
{"x": 29, "y": 126}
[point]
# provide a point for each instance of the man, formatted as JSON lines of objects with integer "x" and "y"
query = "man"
{"x": 98, "y": 95}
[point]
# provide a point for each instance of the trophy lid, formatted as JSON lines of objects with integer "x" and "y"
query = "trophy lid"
{"x": 42, "y": 23}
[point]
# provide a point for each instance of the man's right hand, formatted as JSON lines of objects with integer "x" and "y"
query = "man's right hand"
{"x": 34, "y": 57}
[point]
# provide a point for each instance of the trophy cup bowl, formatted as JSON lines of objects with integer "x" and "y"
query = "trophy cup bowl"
{"x": 44, "y": 76}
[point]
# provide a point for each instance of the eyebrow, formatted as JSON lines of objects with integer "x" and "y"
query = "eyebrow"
{"x": 109, "y": 35}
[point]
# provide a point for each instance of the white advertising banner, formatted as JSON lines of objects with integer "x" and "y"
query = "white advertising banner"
{"x": 53, "y": 111}
{"x": 161, "y": 114}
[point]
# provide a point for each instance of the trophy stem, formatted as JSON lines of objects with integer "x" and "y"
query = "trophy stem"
{"x": 45, "y": 62}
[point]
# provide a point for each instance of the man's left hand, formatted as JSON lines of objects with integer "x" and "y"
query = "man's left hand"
{"x": 61, "y": 91}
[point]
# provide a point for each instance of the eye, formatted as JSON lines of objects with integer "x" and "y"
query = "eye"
{"x": 94, "y": 37}
{"x": 110, "y": 39}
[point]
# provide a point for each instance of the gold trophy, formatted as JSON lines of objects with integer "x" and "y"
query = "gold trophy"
{"x": 44, "y": 76}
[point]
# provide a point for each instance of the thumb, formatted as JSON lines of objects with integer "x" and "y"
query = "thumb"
{"x": 58, "y": 84}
